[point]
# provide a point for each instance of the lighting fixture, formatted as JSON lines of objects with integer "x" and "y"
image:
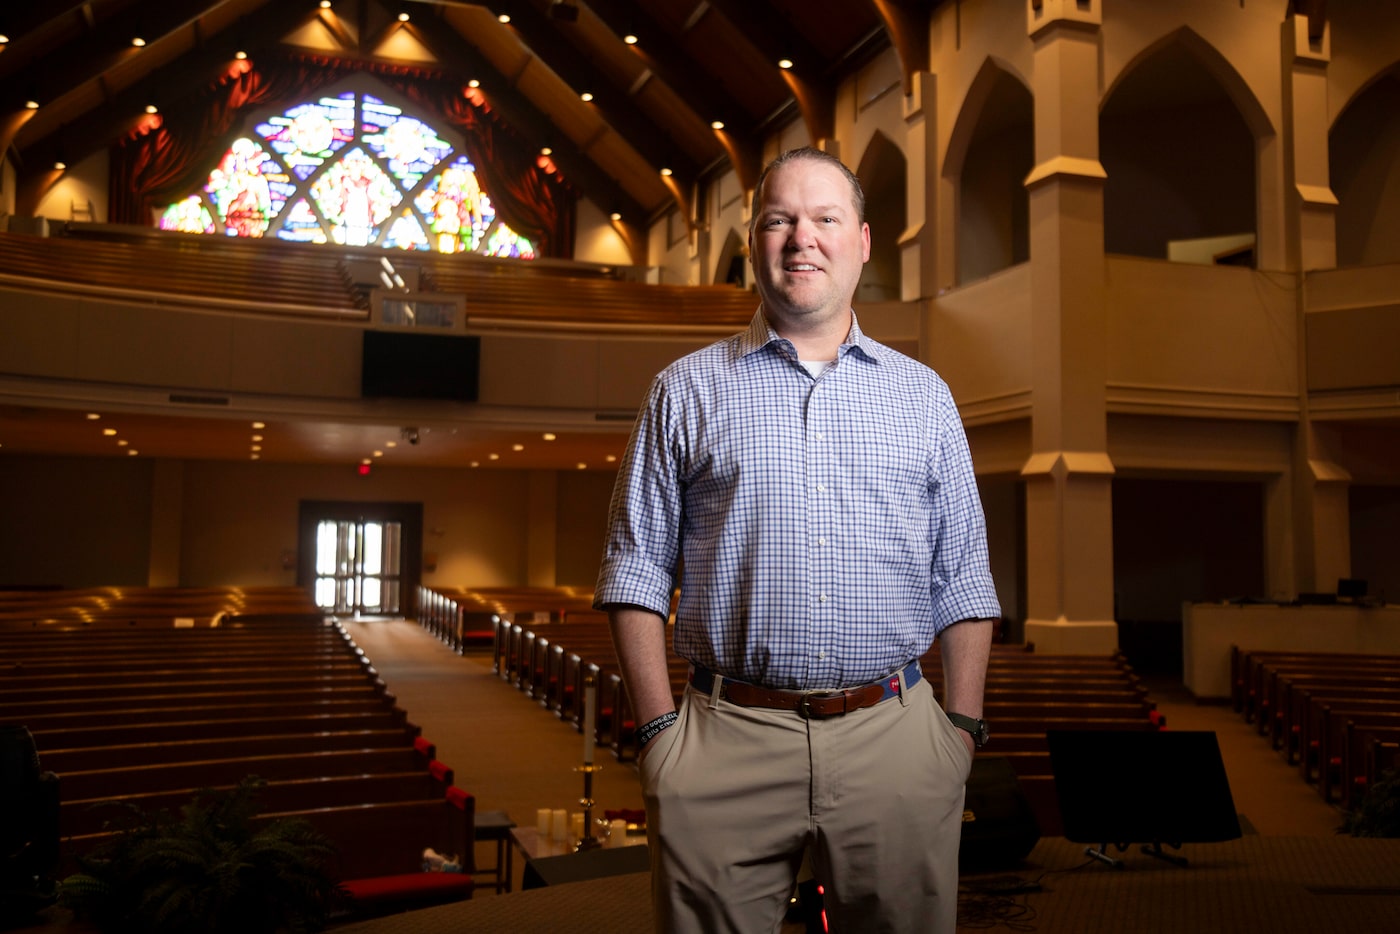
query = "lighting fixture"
{"x": 473, "y": 83}
{"x": 784, "y": 63}
{"x": 325, "y": 4}
{"x": 122, "y": 442}
{"x": 378, "y": 453}
{"x": 716, "y": 124}
{"x": 615, "y": 216}
{"x": 60, "y": 165}
{"x": 517, "y": 448}
{"x": 494, "y": 457}
{"x": 630, "y": 39}
{"x": 257, "y": 437}
{"x": 581, "y": 465}
{"x": 109, "y": 432}
{"x": 259, "y": 425}
{"x": 549, "y": 436}
{"x": 93, "y": 416}
{"x": 138, "y": 42}
{"x": 152, "y": 108}
{"x": 132, "y": 453}
{"x": 503, "y": 19}
{"x": 31, "y": 104}
{"x": 546, "y": 151}
{"x": 586, "y": 96}
{"x": 665, "y": 173}
{"x": 403, "y": 17}
{"x": 255, "y": 447}
{"x": 240, "y": 55}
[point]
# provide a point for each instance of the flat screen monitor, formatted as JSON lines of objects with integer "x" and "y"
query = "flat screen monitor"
{"x": 409, "y": 365}
{"x": 1142, "y": 786}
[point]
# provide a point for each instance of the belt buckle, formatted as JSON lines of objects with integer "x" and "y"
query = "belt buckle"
{"x": 805, "y": 711}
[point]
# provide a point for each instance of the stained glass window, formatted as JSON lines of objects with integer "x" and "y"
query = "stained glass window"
{"x": 352, "y": 169}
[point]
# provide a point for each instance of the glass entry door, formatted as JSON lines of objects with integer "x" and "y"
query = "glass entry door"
{"x": 358, "y": 566}
{"x": 361, "y": 558}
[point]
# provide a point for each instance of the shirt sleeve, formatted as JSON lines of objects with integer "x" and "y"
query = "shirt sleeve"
{"x": 644, "y": 519}
{"x": 962, "y": 586}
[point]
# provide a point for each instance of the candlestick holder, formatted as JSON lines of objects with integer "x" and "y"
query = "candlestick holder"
{"x": 587, "y": 841}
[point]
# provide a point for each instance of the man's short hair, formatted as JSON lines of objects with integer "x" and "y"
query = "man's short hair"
{"x": 812, "y": 154}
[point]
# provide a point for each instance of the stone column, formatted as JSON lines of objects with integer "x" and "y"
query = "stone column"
{"x": 1068, "y": 476}
{"x": 918, "y": 243}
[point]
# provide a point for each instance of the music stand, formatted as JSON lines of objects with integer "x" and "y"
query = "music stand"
{"x": 1141, "y": 786}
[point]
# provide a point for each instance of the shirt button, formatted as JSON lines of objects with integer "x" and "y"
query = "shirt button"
{"x": 820, "y": 436}
{"x": 822, "y": 598}
{"x": 821, "y": 541}
{"x": 821, "y": 655}
{"x": 821, "y": 487}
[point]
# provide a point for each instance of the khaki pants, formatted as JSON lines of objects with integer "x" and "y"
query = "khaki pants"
{"x": 735, "y": 794}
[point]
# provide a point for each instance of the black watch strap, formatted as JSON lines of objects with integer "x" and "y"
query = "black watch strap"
{"x": 978, "y": 728}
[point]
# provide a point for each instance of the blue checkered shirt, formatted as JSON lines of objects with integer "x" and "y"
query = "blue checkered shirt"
{"x": 824, "y": 530}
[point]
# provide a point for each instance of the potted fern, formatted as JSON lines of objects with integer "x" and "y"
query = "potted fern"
{"x": 206, "y": 871}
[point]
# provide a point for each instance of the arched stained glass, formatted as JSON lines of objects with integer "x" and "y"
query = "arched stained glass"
{"x": 352, "y": 169}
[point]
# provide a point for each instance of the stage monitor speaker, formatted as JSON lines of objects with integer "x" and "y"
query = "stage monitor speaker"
{"x": 1142, "y": 786}
{"x": 590, "y": 864}
{"x": 999, "y": 829}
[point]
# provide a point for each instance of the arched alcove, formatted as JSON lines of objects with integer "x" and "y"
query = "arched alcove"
{"x": 991, "y": 153}
{"x": 882, "y": 174}
{"x": 1364, "y": 155}
{"x": 1180, "y": 157}
{"x": 733, "y": 260}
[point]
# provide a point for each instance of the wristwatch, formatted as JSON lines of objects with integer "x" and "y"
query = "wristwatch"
{"x": 978, "y": 728}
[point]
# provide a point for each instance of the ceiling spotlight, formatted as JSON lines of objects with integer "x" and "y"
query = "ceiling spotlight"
{"x": 31, "y": 104}
{"x": 784, "y": 63}
{"x": 257, "y": 437}
{"x": 391, "y": 444}
{"x": 503, "y": 19}
{"x": 93, "y": 416}
{"x": 581, "y": 466}
{"x": 403, "y": 17}
{"x": 253, "y": 457}
{"x": 611, "y": 458}
{"x": 665, "y": 173}
{"x": 546, "y": 151}
{"x": 325, "y": 4}
{"x": 378, "y": 453}
{"x": 716, "y": 124}
{"x": 152, "y": 108}
{"x": 473, "y": 83}
{"x": 615, "y": 216}
{"x": 549, "y": 436}
{"x": 517, "y": 448}
{"x": 255, "y": 447}
{"x": 586, "y": 96}
{"x": 122, "y": 442}
{"x": 630, "y": 39}
{"x": 60, "y": 165}
{"x": 138, "y": 42}
{"x": 133, "y": 452}
{"x": 240, "y": 55}
{"x": 494, "y": 457}
{"x": 4, "y": 39}
{"x": 259, "y": 425}
{"x": 109, "y": 432}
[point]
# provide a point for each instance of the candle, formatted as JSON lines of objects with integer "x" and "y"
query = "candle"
{"x": 561, "y": 825}
{"x": 590, "y": 716}
{"x": 544, "y": 821}
{"x": 576, "y": 826}
{"x": 617, "y": 833}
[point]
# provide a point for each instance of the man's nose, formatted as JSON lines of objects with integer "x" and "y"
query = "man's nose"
{"x": 801, "y": 233}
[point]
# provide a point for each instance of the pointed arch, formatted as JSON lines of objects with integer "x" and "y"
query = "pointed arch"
{"x": 1363, "y": 156}
{"x": 883, "y": 172}
{"x": 1183, "y": 141}
{"x": 990, "y": 152}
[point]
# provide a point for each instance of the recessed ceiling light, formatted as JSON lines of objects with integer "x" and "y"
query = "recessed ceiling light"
{"x": 494, "y": 457}
{"x": 581, "y": 465}
{"x": 473, "y": 83}
{"x": 784, "y": 63}
{"x": 254, "y": 457}
{"x": 716, "y": 124}
{"x": 586, "y": 96}
{"x": 257, "y": 437}
{"x": 325, "y": 4}
{"x": 109, "y": 431}
{"x": 138, "y": 41}
{"x": 31, "y": 105}
{"x": 503, "y": 19}
{"x": 152, "y": 108}
{"x": 366, "y": 462}
{"x": 549, "y": 436}
{"x": 378, "y": 453}
{"x": 476, "y": 463}
{"x": 133, "y": 452}
{"x": 391, "y": 444}
{"x": 612, "y": 458}
{"x": 255, "y": 447}
{"x": 93, "y": 416}
{"x": 403, "y": 17}
{"x": 630, "y": 39}
{"x": 259, "y": 425}
{"x": 546, "y": 151}
{"x": 517, "y": 447}
{"x": 665, "y": 173}
{"x": 122, "y": 442}
{"x": 60, "y": 165}
{"x": 615, "y": 216}
{"x": 240, "y": 55}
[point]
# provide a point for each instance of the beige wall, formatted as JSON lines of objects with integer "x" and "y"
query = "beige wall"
{"x": 88, "y": 521}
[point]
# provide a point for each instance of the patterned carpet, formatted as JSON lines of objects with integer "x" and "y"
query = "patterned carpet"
{"x": 1280, "y": 885}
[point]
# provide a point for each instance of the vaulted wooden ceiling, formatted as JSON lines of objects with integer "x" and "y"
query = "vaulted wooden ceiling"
{"x": 692, "y": 86}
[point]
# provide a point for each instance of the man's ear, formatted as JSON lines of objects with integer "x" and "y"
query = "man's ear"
{"x": 864, "y": 242}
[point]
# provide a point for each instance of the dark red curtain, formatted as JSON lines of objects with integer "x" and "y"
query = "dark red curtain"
{"x": 155, "y": 167}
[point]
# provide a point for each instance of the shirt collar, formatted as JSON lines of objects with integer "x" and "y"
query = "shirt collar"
{"x": 760, "y": 334}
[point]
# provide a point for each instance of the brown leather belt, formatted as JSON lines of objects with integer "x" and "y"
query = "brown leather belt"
{"x": 807, "y": 704}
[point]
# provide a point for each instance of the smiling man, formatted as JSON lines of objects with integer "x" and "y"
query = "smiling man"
{"x": 817, "y": 490}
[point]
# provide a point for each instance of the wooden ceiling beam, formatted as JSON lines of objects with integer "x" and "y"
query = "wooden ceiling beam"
{"x": 907, "y": 24}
